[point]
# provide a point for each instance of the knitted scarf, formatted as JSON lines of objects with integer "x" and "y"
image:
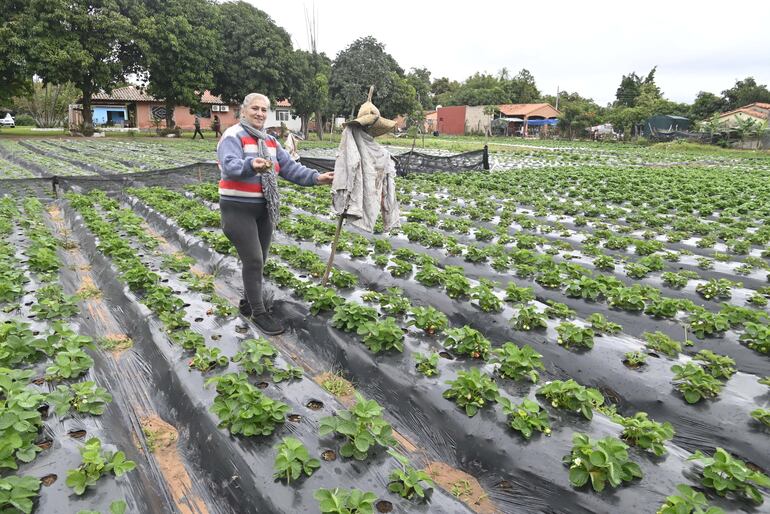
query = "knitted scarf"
{"x": 269, "y": 181}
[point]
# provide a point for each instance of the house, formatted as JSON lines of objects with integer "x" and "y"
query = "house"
{"x": 521, "y": 118}
{"x": 757, "y": 111}
{"x": 131, "y": 107}
{"x": 529, "y": 119}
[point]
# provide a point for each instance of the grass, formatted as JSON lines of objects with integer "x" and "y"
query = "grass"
{"x": 116, "y": 342}
{"x": 337, "y": 385}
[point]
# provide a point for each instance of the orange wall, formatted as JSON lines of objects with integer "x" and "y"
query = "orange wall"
{"x": 183, "y": 118}
{"x": 451, "y": 120}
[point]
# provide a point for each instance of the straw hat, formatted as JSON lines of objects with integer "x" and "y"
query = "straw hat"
{"x": 370, "y": 120}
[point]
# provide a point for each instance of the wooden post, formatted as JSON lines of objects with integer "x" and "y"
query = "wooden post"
{"x": 328, "y": 270}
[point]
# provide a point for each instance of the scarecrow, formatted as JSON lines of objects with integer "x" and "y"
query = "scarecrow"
{"x": 364, "y": 185}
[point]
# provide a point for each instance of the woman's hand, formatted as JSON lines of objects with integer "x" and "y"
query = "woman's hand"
{"x": 261, "y": 165}
{"x": 325, "y": 178}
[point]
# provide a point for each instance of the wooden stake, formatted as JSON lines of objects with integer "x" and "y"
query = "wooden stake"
{"x": 328, "y": 270}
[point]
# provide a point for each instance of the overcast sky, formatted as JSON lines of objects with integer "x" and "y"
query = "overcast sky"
{"x": 578, "y": 46}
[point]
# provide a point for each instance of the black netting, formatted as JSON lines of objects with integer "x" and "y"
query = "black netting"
{"x": 417, "y": 162}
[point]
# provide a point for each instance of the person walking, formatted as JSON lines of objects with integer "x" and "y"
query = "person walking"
{"x": 249, "y": 161}
{"x": 216, "y": 126}
{"x": 197, "y": 126}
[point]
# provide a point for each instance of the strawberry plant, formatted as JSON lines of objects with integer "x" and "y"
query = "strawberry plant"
{"x": 645, "y": 433}
{"x": 393, "y": 301}
{"x": 83, "y": 396}
{"x": 426, "y": 364}
{"x": 349, "y": 316}
{"x": 256, "y": 356}
{"x": 278, "y": 375}
{"x": 407, "y": 481}
{"x": 363, "y": 426}
{"x": 242, "y": 408}
{"x": 694, "y": 382}
{"x": 518, "y": 363}
{"x": 400, "y": 268}
{"x": 342, "y": 279}
{"x": 550, "y": 279}
{"x": 761, "y": 415}
{"x": 485, "y": 295}
{"x": 604, "y": 263}
{"x": 516, "y": 294}
{"x": 343, "y": 501}
{"x": 573, "y": 336}
{"x": 602, "y": 325}
{"x": 557, "y": 310}
{"x": 703, "y": 323}
{"x": 604, "y": 461}
{"x": 18, "y": 492}
{"x": 467, "y": 341}
{"x": 52, "y": 303}
{"x": 660, "y": 342}
{"x": 757, "y": 336}
{"x": 528, "y": 318}
{"x": 321, "y": 299}
{"x": 635, "y": 359}
{"x": 585, "y": 288}
{"x": 688, "y": 501}
{"x": 429, "y": 275}
{"x": 527, "y": 417}
{"x": 20, "y": 417}
{"x": 383, "y": 335}
{"x": 187, "y": 339}
{"x": 207, "y": 358}
{"x": 572, "y": 396}
{"x": 69, "y": 363}
{"x": 455, "y": 283}
{"x": 429, "y": 319}
{"x": 718, "y": 366}
{"x": 96, "y": 462}
{"x": 293, "y": 460}
{"x": 472, "y": 390}
{"x": 724, "y": 474}
{"x": 18, "y": 344}
{"x": 716, "y": 289}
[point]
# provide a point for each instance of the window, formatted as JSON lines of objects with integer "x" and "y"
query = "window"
{"x": 282, "y": 115}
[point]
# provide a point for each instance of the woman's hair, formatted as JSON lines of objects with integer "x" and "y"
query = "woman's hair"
{"x": 249, "y": 99}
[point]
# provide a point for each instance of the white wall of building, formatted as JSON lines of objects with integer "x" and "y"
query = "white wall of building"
{"x": 283, "y": 114}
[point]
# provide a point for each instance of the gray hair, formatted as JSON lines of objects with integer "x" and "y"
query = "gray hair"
{"x": 249, "y": 99}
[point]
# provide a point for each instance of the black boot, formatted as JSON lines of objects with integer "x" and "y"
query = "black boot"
{"x": 267, "y": 323}
{"x": 244, "y": 307}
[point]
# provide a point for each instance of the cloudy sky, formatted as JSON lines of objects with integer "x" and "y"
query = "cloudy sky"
{"x": 576, "y": 46}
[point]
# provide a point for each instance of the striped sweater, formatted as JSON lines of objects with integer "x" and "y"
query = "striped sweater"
{"x": 239, "y": 182}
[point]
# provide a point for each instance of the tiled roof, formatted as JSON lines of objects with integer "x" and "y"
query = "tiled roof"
{"x": 283, "y": 103}
{"x": 134, "y": 94}
{"x": 545, "y": 110}
{"x": 749, "y": 112}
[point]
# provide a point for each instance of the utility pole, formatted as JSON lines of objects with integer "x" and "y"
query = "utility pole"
{"x": 557, "y": 98}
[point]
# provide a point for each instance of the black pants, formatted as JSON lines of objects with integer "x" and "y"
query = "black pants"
{"x": 197, "y": 131}
{"x": 248, "y": 227}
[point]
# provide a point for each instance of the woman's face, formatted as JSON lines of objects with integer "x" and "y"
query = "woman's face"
{"x": 256, "y": 113}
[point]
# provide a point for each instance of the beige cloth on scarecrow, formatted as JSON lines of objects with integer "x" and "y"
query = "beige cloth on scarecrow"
{"x": 364, "y": 181}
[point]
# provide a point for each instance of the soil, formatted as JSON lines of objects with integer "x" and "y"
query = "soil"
{"x": 470, "y": 491}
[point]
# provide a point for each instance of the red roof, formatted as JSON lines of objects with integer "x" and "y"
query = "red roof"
{"x": 283, "y": 103}
{"x": 544, "y": 110}
{"x": 135, "y": 94}
{"x": 749, "y": 112}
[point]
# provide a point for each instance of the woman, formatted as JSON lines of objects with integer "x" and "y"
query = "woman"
{"x": 249, "y": 160}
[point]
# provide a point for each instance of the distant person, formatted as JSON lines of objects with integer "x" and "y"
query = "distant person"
{"x": 197, "y": 126}
{"x": 250, "y": 160}
{"x": 216, "y": 126}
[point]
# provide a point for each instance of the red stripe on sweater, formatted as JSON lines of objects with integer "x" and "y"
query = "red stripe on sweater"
{"x": 248, "y": 140}
{"x": 271, "y": 143}
{"x": 240, "y": 186}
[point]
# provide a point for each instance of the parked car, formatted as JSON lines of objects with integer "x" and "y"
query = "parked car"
{"x": 8, "y": 121}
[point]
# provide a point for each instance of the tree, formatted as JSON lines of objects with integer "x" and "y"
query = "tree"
{"x": 419, "y": 79}
{"x": 480, "y": 89}
{"x": 443, "y": 90}
{"x": 402, "y": 99}
{"x": 15, "y": 73}
{"x": 522, "y": 89}
{"x": 256, "y": 55}
{"x": 705, "y": 106}
{"x": 48, "y": 104}
{"x": 180, "y": 45}
{"x": 87, "y": 42}
{"x": 311, "y": 93}
{"x": 362, "y": 64}
{"x": 577, "y": 113}
{"x": 745, "y": 92}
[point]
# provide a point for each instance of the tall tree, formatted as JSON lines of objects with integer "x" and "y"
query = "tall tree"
{"x": 402, "y": 99}
{"x": 481, "y": 89}
{"x": 522, "y": 89}
{"x": 48, "y": 104}
{"x": 419, "y": 79}
{"x": 443, "y": 90}
{"x": 180, "y": 46}
{"x": 631, "y": 87}
{"x": 705, "y": 106}
{"x": 15, "y": 72}
{"x": 87, "y": 42}
{"x": 744, "y": 92}
{"x": 256, "y": 54}
{"x": 362, "y": 64}
{"x": 577, "y": 114}
{"x": 310, "y": 96}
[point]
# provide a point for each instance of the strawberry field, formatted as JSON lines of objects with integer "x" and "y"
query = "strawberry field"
{"x": 580, "y": 329}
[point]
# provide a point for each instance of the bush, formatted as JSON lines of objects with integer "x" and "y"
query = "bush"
{"x": 25, "y": 120}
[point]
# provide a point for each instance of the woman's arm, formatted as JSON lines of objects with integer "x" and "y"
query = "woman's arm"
{"x": 293, "y": 171}
{"x": 231, "y": 160}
